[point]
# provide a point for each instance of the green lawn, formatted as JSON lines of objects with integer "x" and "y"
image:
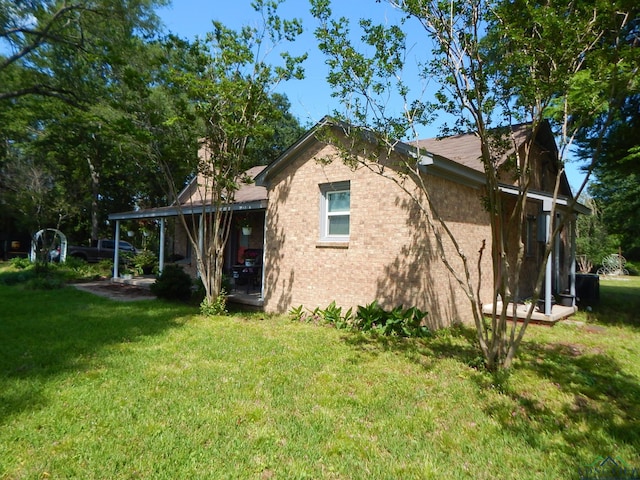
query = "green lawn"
{"x": 95, "y": 389}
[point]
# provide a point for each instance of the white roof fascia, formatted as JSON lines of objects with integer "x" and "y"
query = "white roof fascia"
{"x": 448, "y": 169}
{"x": 546, "y": 199}
{"x": 174, "y": 211}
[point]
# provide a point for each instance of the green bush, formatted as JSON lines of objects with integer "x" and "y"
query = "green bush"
{"x": 104, "y": 267}
{"x": 396, "y": 322}
{"x": 77, "y": 270}
{"x": 76, "y": 264}
{"x": 369, "y": 318}
{"x": 217, "y": 307}
{"x": 52, "y": 275}
{"x": 173, "y": 284}
{"x": 45, "y": 282}
{"x": 15, "y": 277}
{"x": 20, "y": 263}
{"x": 127, "y": 263}
{"x": 633, "y": 268}
{"x": 145, "y": 262}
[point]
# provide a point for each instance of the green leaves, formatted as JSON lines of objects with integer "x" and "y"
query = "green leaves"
{"x": 367, "y": 76}
{"x": 397, "y": 322}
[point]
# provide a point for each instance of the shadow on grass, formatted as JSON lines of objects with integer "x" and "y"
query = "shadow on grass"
{"x": 44, "y": 334}
{"x": 458, "y": 343}
{"x": 592, "y": 404}
{"x": 619, "y": 303}
{"x": 596, "y": 405}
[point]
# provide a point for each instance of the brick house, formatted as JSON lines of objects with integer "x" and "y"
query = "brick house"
{"x": 331, "y": 232}
{"x": 335, "y": 233}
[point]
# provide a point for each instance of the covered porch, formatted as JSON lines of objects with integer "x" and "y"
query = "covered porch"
{"x": 244, "y": 249}
{"x": 245, "y": 289}
{"x": 559, "y": 266}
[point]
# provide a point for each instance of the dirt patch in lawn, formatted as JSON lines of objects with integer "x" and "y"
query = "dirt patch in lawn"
{"x": 115, "y": 291}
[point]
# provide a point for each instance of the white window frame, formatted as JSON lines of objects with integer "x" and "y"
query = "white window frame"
{"x": 325, "y": 191}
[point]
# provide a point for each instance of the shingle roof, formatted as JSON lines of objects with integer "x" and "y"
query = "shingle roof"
{"x": 465, "y": 148}
{"x": 249, "y": 196}
{"x": 248, "y": 192}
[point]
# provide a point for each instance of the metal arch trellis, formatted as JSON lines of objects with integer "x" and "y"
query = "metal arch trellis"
{"x": 613, "y": 265}
{"x": 49, "y": 245}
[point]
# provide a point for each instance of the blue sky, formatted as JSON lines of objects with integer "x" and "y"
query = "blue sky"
{"x": 311, "y": 97}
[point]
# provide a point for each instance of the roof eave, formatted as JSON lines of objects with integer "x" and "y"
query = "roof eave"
{"x": 562, "y": 201}
{"x": 450, "y": 170}
{"x": 196, "y": 209}
{"x": 262, "y": 179}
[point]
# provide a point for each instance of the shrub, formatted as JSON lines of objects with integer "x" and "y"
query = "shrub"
{"x": 333, "y": 315}
{"x": 217, "y": 307}
{"x": 15, "y": 277}
{"x": 297, "y": 313}
{"x": 104, "y": 267}
{"x": 173, "y": 284}
{"x": 632, "y": 267}
{"x": 128, "y": 265}
{"x": 369, "y": 318}
{"x": 44, "y": 282}
{"x": 396, "y": 322}
{"x": 75, "y": 263}
{"x": 20, "y": 263}
{"x": 72, "y": 270}
{"x": 145, "y": 262}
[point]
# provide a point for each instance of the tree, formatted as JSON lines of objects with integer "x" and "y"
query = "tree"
{"x": 497, "y": 63}
{"x": 284, "y": 130}
{"x": 30, "y": 194}
{"x": 103, "y": 139}
{"x": 31, "y": 190}
{"x": 616, "y": 186}
{"x": 111, "y": 154}
{"x": 593, "y": 242}
{"x": 231, "y": 86}
{"x": 46, "y": 40}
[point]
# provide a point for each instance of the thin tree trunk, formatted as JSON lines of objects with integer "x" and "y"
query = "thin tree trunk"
{"x": 95, "y": 193}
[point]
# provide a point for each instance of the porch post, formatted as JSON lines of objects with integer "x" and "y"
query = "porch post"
{"x": 264, "y": 254}
{"x": 556, "y": 260}
{"x": 161, "y": 253}
{"x": 116, "y": 252}
{"x": 548, "y": 270}
{"x": 572, "y": 265}
{"x": 200, "y": 242}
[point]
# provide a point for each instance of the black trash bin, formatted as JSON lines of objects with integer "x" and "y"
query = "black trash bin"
{"x": 587, "y": 288}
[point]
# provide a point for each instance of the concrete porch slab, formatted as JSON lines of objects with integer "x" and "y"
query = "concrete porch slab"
{"x": 144, "y": 281}
{"x": 252, "y": 300}
{"x": 558, "y": 312}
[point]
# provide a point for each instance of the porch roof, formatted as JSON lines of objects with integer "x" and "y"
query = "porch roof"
{"x": 195, "y": 209}
{"x": 248, "y": 197}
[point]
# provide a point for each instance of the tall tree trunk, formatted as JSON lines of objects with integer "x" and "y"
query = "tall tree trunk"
{"x": 95, "y": 191}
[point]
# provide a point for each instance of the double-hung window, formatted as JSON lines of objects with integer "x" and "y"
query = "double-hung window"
{"x": 335, "y": 211}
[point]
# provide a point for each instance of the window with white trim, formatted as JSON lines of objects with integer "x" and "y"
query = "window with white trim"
{"x": 335, "y": 215}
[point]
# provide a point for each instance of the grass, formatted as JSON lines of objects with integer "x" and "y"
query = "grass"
{"x": 95, "y": 389}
